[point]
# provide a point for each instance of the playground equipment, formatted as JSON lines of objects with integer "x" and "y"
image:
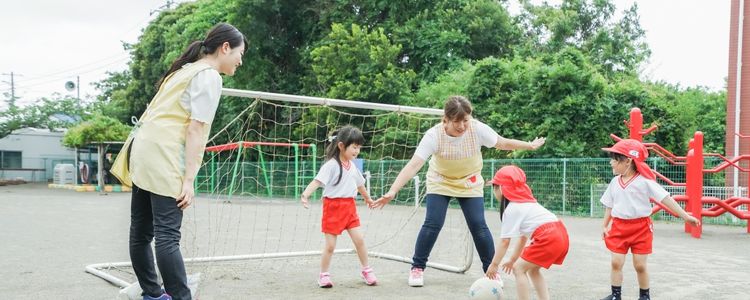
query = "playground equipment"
{"x": 236, "y": 172}
{"x": 694, "y": 164}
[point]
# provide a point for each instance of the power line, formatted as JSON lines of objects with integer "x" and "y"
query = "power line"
{"x": 167, "y": 5}
{"x": 62, "y": 77}
{"x": 116, "y": 58}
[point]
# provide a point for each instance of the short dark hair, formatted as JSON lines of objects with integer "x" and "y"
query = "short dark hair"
{"x": 620, "y": 157}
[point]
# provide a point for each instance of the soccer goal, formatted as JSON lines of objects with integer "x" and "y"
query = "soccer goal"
{"x": 248, "y": 215}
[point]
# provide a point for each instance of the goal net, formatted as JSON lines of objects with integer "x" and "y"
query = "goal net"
{"x": 247, "y": 215}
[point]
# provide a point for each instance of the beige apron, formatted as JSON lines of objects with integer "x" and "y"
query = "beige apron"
{"x": 455, "y": 169}
{"x": 157, "y": 142}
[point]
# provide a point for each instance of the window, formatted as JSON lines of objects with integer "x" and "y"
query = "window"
{"x": 10, "y": 159}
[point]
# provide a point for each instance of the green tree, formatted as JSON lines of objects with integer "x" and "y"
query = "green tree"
{"x": 613, "y": 45}
{"x": 437, "y": 39}
{"x": 52, "y": 113}
{"x": 558, "y": 96}
{"x": 567, "y": 71}
{"x": 98, "y": 128}
{"x": 162, "y": 41}
{"x": 112, "y": 99}
{"x": 359, "y": 65}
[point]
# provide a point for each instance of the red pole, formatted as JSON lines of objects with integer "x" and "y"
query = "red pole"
{"x": 694, "y": 183}
{"x": 636, "y": 124}
{"x": 747, "y": 189}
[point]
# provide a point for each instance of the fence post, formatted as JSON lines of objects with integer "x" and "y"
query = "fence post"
{"x": 382, "y": 176}
{"x": 591, "y": 200}
{"x": 492, "y": 190}
{"x": 564, "y": 182}
{"x": 416, "y": 191}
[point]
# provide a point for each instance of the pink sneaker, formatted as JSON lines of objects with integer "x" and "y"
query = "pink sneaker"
{"x": 325, "y": 280}
{"x": 369, "y": 276}
{"x": 415, "y": 277}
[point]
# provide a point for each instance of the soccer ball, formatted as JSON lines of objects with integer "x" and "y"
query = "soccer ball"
{"x": 486, "y": 289}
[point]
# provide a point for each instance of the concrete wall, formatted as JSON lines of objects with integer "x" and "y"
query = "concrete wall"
{"x": 40, "y": 149}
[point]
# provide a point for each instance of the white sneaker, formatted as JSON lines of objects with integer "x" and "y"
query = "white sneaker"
{"x": 416, "y": 278}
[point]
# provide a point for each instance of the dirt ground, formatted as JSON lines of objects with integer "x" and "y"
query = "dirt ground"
{"x": 49, "y": 235}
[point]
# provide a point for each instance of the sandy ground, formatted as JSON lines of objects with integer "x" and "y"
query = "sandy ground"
{"x": 49, "y": 235}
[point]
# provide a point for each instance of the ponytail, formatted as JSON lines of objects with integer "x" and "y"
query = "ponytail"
{"x": 192, "y": 54}
{"x": 503, "y": 205}
{"x": 216, "y": 37}
{"x": 347, "y": 135}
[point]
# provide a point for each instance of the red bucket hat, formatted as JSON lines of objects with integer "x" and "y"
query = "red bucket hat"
{"x": 636, "y": 151}
{"x": 512, "y": 180}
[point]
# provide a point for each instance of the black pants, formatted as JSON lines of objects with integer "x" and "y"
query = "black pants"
{"x": 437, "y": 207}
{"x": 153, "y": 215}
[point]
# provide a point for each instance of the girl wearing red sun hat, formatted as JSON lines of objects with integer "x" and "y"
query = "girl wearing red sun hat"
{"x": 523, "y": 217}
{"x": 627, "y": 205}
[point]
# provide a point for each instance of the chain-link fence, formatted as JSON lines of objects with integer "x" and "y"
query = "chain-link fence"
{"x": 571, "y": 186}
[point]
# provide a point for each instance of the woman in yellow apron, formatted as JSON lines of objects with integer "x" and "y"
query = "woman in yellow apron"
{"x": 164, "y": 152}
{"x": 453, "y": 172}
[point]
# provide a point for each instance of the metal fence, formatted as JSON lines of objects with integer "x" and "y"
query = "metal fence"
{"x": 566, "y": 186}
{"x": 35, "y": 169}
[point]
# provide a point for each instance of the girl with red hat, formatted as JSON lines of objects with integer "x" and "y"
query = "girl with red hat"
{"x": 627, "y": 206}
{"x": 523, "y": 217}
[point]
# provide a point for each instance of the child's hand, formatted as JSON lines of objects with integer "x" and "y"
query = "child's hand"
{"x": 369, "y": 202}
{"x": 692, "y": 220}
{"x": 492, "y": 272}
{"x": 305, "y": 201}
{"x": 383, "y": 200}
{"x": 605, "y": 230}
{"x": 507, "y": 266}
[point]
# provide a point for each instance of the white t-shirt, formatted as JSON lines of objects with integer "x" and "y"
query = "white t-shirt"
{"x": 523, "y": 218}
{"x": 630, "y": 200}
{"x": 201, "y": 98}
{"x": 350, "y": 179}
{"x": 429, "y": 143}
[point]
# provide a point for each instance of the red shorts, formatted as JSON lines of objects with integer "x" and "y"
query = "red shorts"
{"x": 634, "y": 234}
{"x": 339, "y": 214}
{"x": 549, "y": 245}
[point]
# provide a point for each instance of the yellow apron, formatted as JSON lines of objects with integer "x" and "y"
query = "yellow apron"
{"x": 157, "y": 143}
{"x": 455, "y": 169}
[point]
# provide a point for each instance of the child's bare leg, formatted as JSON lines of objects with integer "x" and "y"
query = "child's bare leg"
{"x": 522, "y": 280}
{"x": 325, "y": 258}
{"x": 618, "y": 260}
{"x": 535, "y": 275}
{"x": 641, "y": 268}
{"x": 359, "y": 245}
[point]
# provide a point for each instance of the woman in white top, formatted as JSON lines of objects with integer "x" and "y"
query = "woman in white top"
{"x": 454, "y": 172}
{"x": 162, "y": 156}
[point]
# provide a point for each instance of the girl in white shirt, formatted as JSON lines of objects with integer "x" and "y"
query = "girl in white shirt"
{"x": 341, "y": 181}
{"x": 627, "y": 205}
{"x": 523, "y": 217}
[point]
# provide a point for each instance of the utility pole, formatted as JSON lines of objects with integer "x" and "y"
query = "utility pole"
{"x": 167, "y": 5}
{"x": 12, "y": 102}
{"x": 12, "y": 87}
{"x": 78, "y": 89}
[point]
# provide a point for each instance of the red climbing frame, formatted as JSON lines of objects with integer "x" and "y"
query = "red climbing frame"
{"x": 693, "y": 161}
